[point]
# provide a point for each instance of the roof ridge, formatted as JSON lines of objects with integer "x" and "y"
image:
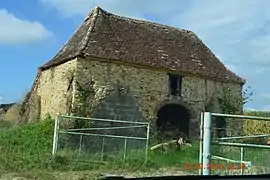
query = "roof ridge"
{"x": 81, "y": 43}
{"x": 190, "y": 32}
{"x": 85, "y": 40}
{"x": 142, "y": 21}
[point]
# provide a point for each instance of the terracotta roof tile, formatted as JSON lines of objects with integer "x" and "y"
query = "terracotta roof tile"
{"x": 105, "y": 35}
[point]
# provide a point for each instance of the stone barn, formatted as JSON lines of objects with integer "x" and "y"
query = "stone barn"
{"x": 126, "y": 69}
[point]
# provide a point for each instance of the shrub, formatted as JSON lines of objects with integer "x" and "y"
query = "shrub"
{"x": 13, "y": 114}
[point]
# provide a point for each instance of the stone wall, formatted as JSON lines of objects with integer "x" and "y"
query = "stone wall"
{"x": 53, "y": 89}
{"x": 148, "y": 87}
{"x": 98, "y": 88}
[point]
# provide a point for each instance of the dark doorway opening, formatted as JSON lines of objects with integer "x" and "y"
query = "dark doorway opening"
{"x": 173, "y": 122}
{"x": 175, "y": 84}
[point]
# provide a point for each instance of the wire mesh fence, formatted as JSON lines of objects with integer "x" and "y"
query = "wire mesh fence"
{"x": 238, "y": 144}
{"x": 101, "y": 140}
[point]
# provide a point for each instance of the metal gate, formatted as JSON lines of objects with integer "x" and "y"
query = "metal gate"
{"x": 100, "y": 140}
{"x": 233, "y": 152}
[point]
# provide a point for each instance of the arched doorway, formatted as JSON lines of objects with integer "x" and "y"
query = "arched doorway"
{"x": 173, "y": 121}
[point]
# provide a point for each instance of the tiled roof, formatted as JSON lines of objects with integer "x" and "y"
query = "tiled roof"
{"x": 109, "y": 36}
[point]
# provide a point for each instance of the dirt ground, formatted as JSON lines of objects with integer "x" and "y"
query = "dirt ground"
{"x": 91, "y": 175}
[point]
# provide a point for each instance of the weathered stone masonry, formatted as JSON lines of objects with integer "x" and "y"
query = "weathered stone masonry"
{"x": 148, "y": 87}
{"x": 53, "y": 89}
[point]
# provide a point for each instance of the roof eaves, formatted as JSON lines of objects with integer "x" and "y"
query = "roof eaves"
{"x": 85, "y": 41}
{"x": 62, "y": 61}
{"x": 238, "y": 78}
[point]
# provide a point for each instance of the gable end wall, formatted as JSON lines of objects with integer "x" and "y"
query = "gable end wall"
{"x": 53, "y": 89}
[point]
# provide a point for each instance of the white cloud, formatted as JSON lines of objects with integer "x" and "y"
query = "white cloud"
{"x": 262, "y": 70}
{"x": 136, "y": 9}
{"x": 16, "y": 31}
{"x": 235, "y": 30}
{"x": 238, "y": 32}
{"x": 1, "y": 99}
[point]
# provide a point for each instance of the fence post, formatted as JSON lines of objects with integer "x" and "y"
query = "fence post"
{"x": 125, "y": 150}
{"x": 80, "y": 145}
{"x": 55, "y": 135}
{"x": 102, "y": 148}
{"x": 147, "y": 142}
{"x": 242, "y": 159}
{"x": 206, "y": 143}
{"x": 201, "y": 142}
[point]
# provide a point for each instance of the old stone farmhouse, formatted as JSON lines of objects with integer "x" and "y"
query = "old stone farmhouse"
{"x": 121, "y": 68}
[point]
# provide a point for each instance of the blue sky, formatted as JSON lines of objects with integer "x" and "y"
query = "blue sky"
{"x": 238, "y": 32}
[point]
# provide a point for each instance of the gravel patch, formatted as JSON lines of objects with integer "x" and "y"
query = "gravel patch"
{"x": 94, "y": 175}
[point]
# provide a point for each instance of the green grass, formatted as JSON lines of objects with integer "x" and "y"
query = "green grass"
{"x": 28, "y": 148}
{"x": 4, "y": 125}
{"x": 176, "y": 157}
{"x": 135, "y": 159}
{"x": 258, "y": 156}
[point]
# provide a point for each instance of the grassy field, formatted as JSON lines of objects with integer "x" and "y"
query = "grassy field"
{"x": 25, "y": 151}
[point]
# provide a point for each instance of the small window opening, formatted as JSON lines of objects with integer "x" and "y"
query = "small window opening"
{"x": 175, "y": 84}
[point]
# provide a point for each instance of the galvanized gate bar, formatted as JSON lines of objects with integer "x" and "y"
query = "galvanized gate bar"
{"x": 241, "y": 116}
{"x": 107, "y": 128}
{"x": 104, "y": 135}
{"x": 242, "y": 145}
{"x": 231, "y": 160}
{"x": 206, "y": 141}
{"x": 243, "y": 137}
{"x": 104, "y": 120}
{"x": 126, "y": 125}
